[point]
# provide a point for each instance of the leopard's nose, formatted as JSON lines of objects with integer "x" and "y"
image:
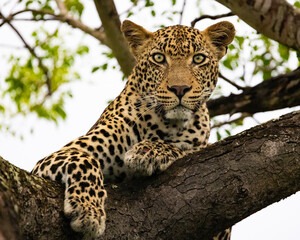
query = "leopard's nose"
{"x": 179, "y": 90}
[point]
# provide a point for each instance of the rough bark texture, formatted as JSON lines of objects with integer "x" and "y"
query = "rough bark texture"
{"x": 194, "y": 199}
{"x": 277, "y": 19}
{"x": 112, "y": 27}
{"x": 276, "y": 93}
{"x": 30, "y": 207}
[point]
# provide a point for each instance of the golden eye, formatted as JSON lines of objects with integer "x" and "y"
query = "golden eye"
{"x": 199, "y": 58}
{"x": 159, "y": 57}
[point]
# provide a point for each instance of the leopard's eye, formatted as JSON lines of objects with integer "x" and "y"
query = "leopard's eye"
{"x": 159, "y": 57}
{"x": 199, "y": 58}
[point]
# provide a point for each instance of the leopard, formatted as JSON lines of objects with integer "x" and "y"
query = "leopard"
{"x": 160, "y": 116}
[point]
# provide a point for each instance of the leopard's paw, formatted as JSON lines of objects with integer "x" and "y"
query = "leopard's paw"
{"x": 85, "y": 218}
{"x": 139, "y": 160}
{"x": 147, "y": 157}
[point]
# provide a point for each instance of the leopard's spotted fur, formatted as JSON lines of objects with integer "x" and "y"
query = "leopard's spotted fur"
{"x": 159, "y": 117}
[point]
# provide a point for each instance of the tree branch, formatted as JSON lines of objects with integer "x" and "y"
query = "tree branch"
{"x": 75, "y": 23}
{"x": 194, "y": 199}
{"x": 111, "y": 23}
{"x": 276, "y": 93}
{"x": 277, "y": 19}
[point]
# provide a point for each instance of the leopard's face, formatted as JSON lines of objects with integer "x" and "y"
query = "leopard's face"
{"x": 177, "y": 66}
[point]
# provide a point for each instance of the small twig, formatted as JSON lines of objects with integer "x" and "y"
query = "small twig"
{"x": 220, "y": 124}
{"x": 11, "y": 46}
{"x": 182, "y": 11}
{"x": 231, "y": 82}
{"x": 62, "y": 7}
{"x": 134, "y": 4}
{"x": 32, "y": 19}
{"x": 193, "y": 23}
{"x": 47, "y": 38}
{"x": 256, "y": 120}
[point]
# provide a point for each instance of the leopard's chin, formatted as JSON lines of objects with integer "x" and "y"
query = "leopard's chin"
{"x": 179, "y": 113}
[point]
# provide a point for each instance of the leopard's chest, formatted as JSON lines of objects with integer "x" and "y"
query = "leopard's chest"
{"x": 177, "y": 132}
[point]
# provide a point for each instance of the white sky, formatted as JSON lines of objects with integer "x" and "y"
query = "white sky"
{"x": 280, "y": 221}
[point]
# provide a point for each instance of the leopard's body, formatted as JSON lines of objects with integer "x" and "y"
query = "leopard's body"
{"x": 160, "y": 116}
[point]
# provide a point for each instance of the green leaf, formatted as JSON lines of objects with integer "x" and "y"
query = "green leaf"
{"x": 240, "y": 40}
{"x": 104, "y": 66}
{"x": 149, "y": 3}
{"x": 109, "y": 55}
{"x": 227, "y": 63}
{"x": 267, "y": 75}
{"x": 284, "y": 52}
{"x": 298, "y": 56}
{"x": 231, "y": 47}
{"x": 41, "y": 111}
{"x": 239, "y": 122}
{"x": 58, "y": 109}
{"x": 153, "y": 13}
{"x": 74, "y": 6}
{"x": 28, "y": 3}
{"x": 82, "y": 50}
{"x": 95, "y": 69}
{"x": 297, "y": 4}
{"x": 219, "y": 137}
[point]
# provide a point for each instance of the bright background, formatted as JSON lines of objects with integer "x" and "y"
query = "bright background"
{"x": 280, "y": 221}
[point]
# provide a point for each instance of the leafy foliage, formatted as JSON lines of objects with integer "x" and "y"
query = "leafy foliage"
{"x": 30, "y": 89}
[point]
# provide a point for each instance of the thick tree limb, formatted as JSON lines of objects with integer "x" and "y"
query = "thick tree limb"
{"x": 276, "y": 93}
{"x": 277, "y": 19}
{"x": 112, "y": 27}
{"x": 194, "y": 199}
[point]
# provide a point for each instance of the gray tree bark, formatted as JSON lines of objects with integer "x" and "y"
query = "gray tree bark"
{"x": 275, "y": 93}
{"x": 277, "y": 19}
{"x": 194, "y": 199}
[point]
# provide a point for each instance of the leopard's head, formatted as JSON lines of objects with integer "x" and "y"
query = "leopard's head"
{"x": 177, "y": 66}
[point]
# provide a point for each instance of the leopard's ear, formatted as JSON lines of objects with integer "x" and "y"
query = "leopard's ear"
{"x": 136, "y": 36}
{"x": 220, "y": 35}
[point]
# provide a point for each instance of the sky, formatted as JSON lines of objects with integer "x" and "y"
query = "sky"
{"x": 279, "y": 221}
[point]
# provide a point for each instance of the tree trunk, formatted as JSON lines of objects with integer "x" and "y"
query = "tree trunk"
{"x": 194, "y": 199}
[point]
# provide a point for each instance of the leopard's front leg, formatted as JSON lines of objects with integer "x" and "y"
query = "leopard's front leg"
{"x": 148, "y": 157}
{"x": 84, "y": 190}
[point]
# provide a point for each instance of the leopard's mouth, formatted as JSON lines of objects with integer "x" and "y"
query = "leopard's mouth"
{"x": 179, "y": 113}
